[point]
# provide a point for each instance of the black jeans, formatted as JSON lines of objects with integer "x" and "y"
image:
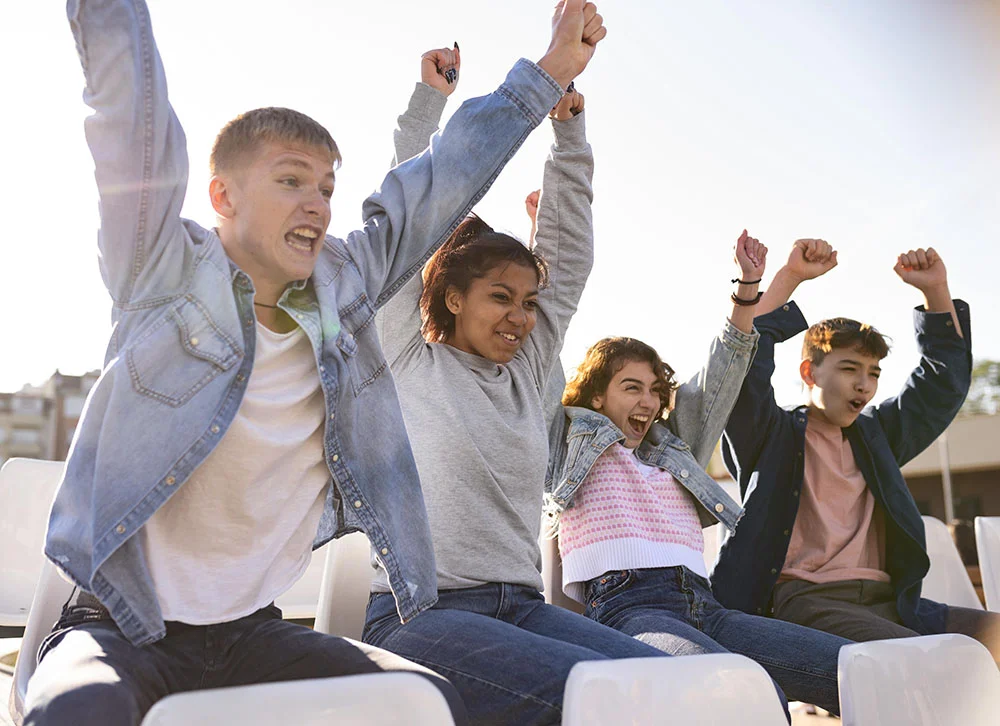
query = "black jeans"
{"x": 89, "y": 673}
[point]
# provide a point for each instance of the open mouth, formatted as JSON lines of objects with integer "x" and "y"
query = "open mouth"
{"x": 855, "y": 405}
{"x": 638, "y": 423}
{"x": 302, "y": 239}
{"x": 509, "y": 338}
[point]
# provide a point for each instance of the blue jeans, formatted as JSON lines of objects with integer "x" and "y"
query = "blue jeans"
{"x": 91, "y": 675}
{"x": 674, "y": 610}
{"x": 506, "y": 651}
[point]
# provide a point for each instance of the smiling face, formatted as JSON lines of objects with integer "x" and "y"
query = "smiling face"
{"x": 274, "y": 212}
{"x": 841, "y": 385}
{"x": 632, "y": 400}
{"x": 497, "y": 312}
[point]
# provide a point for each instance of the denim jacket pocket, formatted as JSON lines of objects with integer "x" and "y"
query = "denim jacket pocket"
{"x": 358, "y": 341}
{"x": 156, "y": 369}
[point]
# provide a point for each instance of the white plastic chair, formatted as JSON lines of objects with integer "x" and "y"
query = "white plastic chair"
{"x": 710, "y": 690}
{"x": 301, "y": 599}
{"x": 934, "y": 680}
{"x": 379, "y": 700}
{"x": 988, "y": 547}
{"x": 947, "y": 581}
{"x": 50, "y": 595}
{"x": 714, "y": 537}
{"x": 346, "y": 584}
{"x": 27, "y": 487}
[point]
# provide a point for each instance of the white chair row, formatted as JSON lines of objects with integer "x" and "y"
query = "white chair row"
{"x": 344, "y": 573}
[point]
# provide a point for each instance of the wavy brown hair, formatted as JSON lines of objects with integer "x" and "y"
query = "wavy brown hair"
{"x": 603, "y": 361}
{"x": 828, "y": 335}
{"x": 471, "y": 252}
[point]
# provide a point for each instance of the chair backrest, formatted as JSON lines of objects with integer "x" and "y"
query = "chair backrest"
{"x": 988, "y": 547}
{"x": 934, "y": 680}
{"x": 947, "y": 581}
{"x": 718, "y": 689}
{"x": 301, "y": 599}
{"x": 346, "y": 584}
{"x": 50, "y": 595}
{"x": 27, "y": 487}
{"x": 378, "y": 699}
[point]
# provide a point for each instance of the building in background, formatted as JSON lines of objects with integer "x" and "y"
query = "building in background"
{"x": 39, "y": 422}
{"x": 974, "y": 453}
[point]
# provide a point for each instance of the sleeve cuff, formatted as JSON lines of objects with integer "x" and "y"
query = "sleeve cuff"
{"x": 533, "y": 90}
{"x": 426, "y": 104}
{"x": 783, "y": 322}
{"x": 738, "y": 341}
{"x": 571, "y": 133}
{"x": 941, "y": 323}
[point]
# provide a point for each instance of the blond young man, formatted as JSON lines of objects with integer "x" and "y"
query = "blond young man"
{"x": 245, "y": 413}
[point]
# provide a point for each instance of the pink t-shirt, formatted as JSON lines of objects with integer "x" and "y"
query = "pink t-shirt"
{"x": 627, "y": 515}
{"x": 839, "y": 533}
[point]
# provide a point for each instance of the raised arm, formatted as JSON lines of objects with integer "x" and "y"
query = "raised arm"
{"x": 565, "y": 232}
{"x": 139, "y": 150}
{"x": 776, "y": 320}
{"x": 398, "y": 321}
{"x": 703, "y": 404}
{"x": 422, "y": 200}
{"x": 937, "y": 387}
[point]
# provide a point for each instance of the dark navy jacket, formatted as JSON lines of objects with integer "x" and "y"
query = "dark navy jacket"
{"x": 764, "y": 450}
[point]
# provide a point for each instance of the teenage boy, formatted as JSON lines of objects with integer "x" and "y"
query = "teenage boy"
{"x": 831, "y": 537}
{"x": 245, "y": 413}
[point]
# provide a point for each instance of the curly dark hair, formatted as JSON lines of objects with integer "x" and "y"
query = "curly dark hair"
{"x": 603, "y": 361}
{"x": 471, "y": 252}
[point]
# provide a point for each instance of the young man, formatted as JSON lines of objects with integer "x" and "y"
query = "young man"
{"x": 245, "y": 413}
{"x": 831, "y": 537}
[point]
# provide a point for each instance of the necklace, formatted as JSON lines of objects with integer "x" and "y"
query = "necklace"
{"x": 265, "y": 305}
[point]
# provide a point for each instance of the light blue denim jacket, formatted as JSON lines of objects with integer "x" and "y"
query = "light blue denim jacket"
{"x": 184, "y": 329}
{"x": 682, "y": 445}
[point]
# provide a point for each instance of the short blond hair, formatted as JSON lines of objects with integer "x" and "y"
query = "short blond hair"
{"x": 243, "y": 135}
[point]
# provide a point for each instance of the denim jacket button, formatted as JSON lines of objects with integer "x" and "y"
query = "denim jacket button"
{"x": 785, "y": 308}
{"x": 774, "y": 571}
{"x": 385, "y": 550}
{"x": 194, "y": 341}
{"x": 169, "y": 481}
{"x": 120, "y": 529}
{"x": 214, "y": 429}
{"x": 357, "y": 504}
{"x": 335, "y": 458}
{"x": 719, "y": 507}
{"x": 684, "y": 473}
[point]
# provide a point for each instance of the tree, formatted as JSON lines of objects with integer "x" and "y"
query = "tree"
{"x": 984, "y": 393}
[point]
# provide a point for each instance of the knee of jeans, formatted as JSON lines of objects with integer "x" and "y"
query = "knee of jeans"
{"x": 104, "y": 703}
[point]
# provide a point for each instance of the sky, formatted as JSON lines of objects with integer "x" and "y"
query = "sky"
{"x": 872, "y": 124}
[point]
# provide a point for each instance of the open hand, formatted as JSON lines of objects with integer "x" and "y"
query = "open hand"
{"x": 440, "y": 65}
{"x": 751, "y": 257}
{"x": 811, "y": 258}
{"x": 924, "y": 269}
{"x": 577, "y": 28}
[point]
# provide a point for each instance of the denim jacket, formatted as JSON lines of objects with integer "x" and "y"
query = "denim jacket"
{"x": 682, "y": 445}
{"x": 764, "y": 448}
{"x": 184, "y": 328}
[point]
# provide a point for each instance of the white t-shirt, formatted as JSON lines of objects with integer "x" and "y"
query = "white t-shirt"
{"x": 239, "y": 532}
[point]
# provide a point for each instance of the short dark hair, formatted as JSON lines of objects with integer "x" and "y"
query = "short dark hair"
{"x": 244, "y": 134}
{"x": 473, "y": 249}
{"x": 828, "y": 335}
{"x": 603, "y": 361}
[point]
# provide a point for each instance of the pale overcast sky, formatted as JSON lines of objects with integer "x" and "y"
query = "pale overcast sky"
{"x": 870, "y": 123}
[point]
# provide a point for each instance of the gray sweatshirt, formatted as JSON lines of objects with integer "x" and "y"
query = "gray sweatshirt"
{"x": 477, "y": 428}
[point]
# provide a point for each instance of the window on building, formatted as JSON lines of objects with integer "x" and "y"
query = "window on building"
{"x": 26, "y": 437}
{"x": 73, "y": 406}
{"x": 28, "y": 405}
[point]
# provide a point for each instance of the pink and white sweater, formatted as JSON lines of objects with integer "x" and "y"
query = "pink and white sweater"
{"x": 628, "y": 515}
